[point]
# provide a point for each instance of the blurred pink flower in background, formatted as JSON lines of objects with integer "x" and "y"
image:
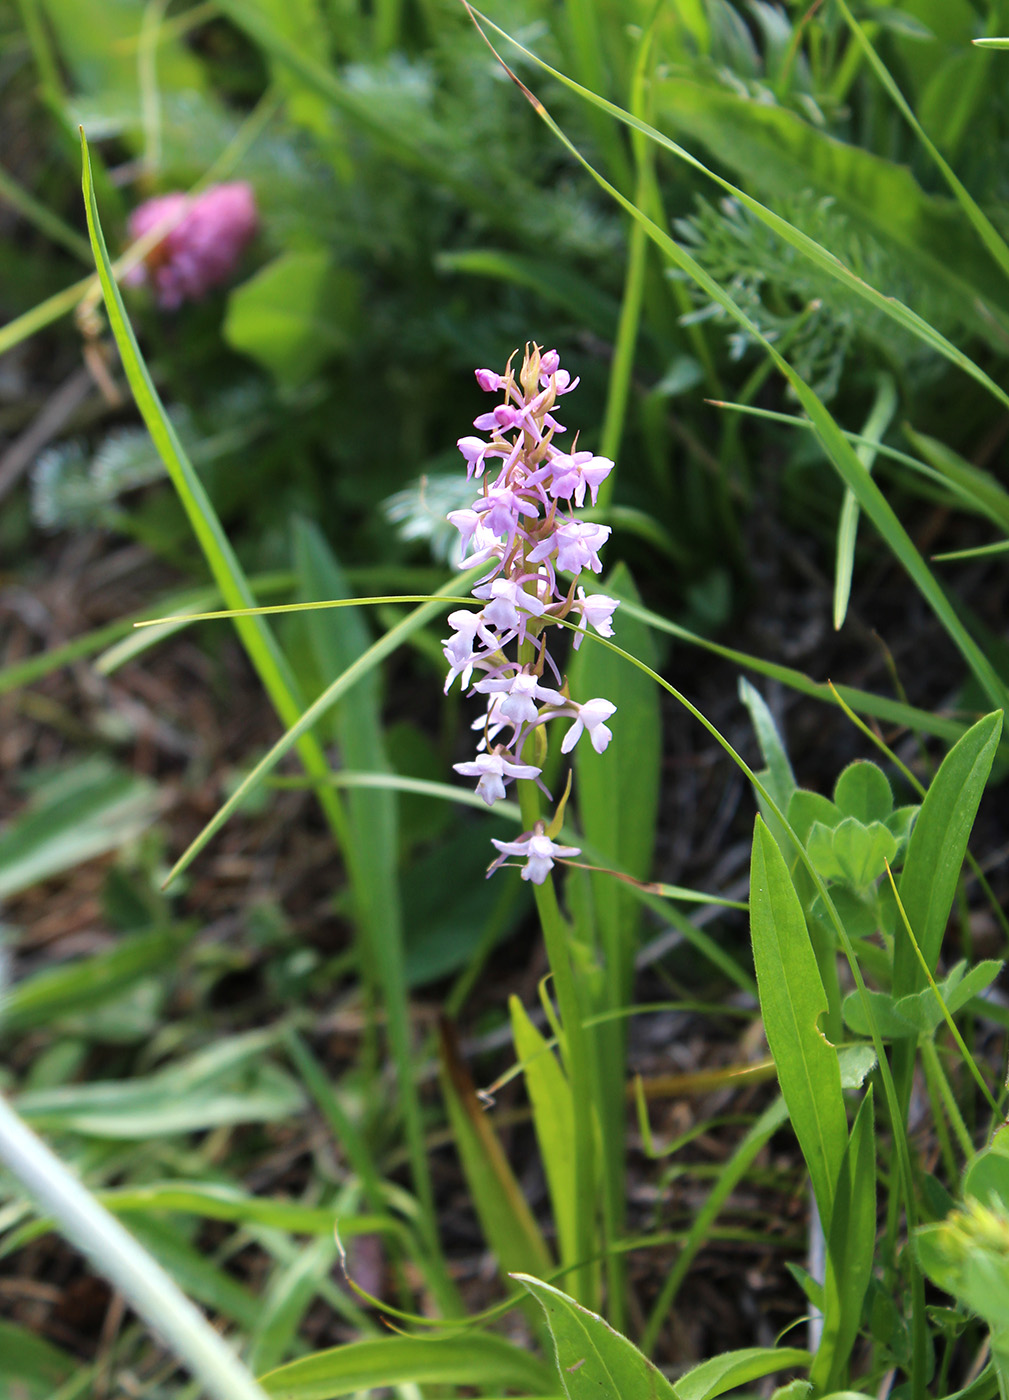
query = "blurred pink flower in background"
{"x": 202, "y": 249}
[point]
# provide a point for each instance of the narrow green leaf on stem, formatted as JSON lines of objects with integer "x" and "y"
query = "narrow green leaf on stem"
{"x": 815, "y": 252}
{"x": 986, "y": 230}
{"x": 847, "y": 526}
{"x": 792, "y": 1001}
{"x": 954, "y": 1031}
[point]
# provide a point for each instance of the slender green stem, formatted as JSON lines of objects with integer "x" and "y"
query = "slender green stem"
{"x": 735, "y": 1169}
{"x": 634, "y": 285}
{"x": 147, "y": 75}
{"x": 44, "y": 219}
{"x": 961, "y": 1044}
{"x": 936, "y": 1076}
{"x": 281, "y": 686}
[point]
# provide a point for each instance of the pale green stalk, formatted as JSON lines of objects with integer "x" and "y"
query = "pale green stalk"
{"x": 382, "y": 928}
{"x": 634, "y": 285}
{"x": 573, "y": 1013}
{"x": 847, "y": 526}
{"x": 938, "y": 1081}
{"x": 147, "y": 75}
{"x": 118, "y": 1257}
{"x": 44, "y": 219}
{"x": 953, "y": 1029}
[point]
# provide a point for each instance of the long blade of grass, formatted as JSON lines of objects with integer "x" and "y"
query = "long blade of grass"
{"x": 852, "y": 1243}
{"x": 44, "y": 219}
{"x": 847, "y": 526}
{"x": 919, "y": 1360}
{"x": 772, "y": 1118}
{"x": 262, "y": 648}
{"x": 270, "y": 664}
{"x": 838, "y": 449}
{"x": 815, "y": 252}
{"x": 508, "y": 1224}
{"x": 973, "y": 487}
{"x": 377, "y": 652}
{"x": 119, "y": 633}
{"x": 89, "y": 288}
{"x": 476, "y": 1359}
{"x": 118, "y": 1256}
{"x": 986, "y": 230}
{"x": 968, "y": 1058}
{"x": 622, "y": 365}
{"x": 553, "y": 1120}
{"x": 862, "y": 701}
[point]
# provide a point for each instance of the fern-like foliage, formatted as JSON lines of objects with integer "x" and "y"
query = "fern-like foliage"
{"x": 824, "y": 325}
{"x": 75, "y": 486}
{"x": 419, "y": 512}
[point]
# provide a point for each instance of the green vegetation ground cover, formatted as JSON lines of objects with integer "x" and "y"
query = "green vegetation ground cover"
{"x": 731, "y": 219}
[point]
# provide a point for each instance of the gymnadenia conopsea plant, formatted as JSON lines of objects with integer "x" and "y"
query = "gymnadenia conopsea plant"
{"x": 524, "y": 526}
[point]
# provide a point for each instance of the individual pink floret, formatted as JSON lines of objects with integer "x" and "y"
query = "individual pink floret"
{"x": 205, "y": 239}
{"x": 539, "y": 852}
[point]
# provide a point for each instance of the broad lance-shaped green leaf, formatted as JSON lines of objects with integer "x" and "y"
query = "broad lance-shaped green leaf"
{"x": 508, "y": 1224}
{"x": 553, "y": 1120}
{"x": 736, "y": 1368}
{"x": 80, "y": 986}
{"x": 937, "y": 847}
{"x": 792, "y": 1000}
{"x": 594, "y": 1361}
{"x": 295, "y": 314}
{"x": 475, "y": 1359}
{"x": 81, "y": 813}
